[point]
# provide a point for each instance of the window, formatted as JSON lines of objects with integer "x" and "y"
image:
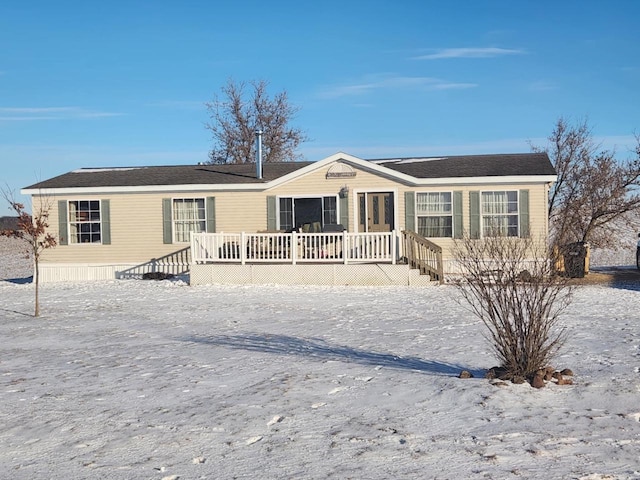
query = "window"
{"x": 435, "y": 214}
{"x": 330, "y": 210}
{"x": 286, "y": 214}
{"x": 499, "y": 212}
{"x": 294, "y": 213}
{"x": 84, "y": 221}
{"x": 188, "y": 216}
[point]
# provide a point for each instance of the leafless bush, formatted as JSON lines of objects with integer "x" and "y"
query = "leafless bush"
{"x": 511, "y": 285}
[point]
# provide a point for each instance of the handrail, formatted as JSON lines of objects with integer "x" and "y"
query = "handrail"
{"x": 423, "y": 254}
{"x": 294, "y": 247}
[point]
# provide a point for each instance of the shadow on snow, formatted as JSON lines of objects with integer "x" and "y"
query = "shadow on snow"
{"x": 19, "y": 281}
{"x": 321, "y": 350}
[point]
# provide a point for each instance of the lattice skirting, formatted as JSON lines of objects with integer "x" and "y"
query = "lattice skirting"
{"x": 305, "y": 274}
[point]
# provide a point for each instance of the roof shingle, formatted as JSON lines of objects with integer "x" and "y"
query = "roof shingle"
{"x": 523, "y": 164}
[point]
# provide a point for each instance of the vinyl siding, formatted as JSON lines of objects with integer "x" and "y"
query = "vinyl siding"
{"x": 137, "y": 227}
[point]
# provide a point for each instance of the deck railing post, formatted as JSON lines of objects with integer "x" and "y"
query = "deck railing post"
{"x": 243, "y": 248}
{"x": 294, "y": 247}
{"x": 345, "y": 247}
{"x": 393, "y": 247}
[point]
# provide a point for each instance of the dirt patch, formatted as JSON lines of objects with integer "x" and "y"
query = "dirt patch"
{"x": 611, "y": 276}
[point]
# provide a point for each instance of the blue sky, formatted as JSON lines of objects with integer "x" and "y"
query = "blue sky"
{"x": 118, "y": 83}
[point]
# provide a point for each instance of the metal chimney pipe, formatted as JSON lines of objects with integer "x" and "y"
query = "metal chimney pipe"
{"x": 259, "y": 154}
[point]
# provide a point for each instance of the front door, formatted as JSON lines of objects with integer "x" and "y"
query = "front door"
{"x": 376, "y": 212}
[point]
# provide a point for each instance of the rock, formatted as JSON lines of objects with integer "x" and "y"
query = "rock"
{"x": 518, "y": 379}
{"x": 465, "y": 374}
{"x": 567, "y": 372}
{"x": 498, "y": 372}
{"x": 565, "y": 381}
{"x": 538, "y": 381}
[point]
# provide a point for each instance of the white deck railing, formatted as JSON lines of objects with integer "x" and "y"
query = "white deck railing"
{"x": 340, "y": 247}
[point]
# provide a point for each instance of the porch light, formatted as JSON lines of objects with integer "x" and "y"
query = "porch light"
{"x": 344, "y": 191}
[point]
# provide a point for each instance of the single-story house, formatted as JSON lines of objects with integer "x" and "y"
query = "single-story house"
{"x": 339, "y": 220}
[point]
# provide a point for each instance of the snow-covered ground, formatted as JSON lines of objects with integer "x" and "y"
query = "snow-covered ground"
{"x": 141, "y": 379}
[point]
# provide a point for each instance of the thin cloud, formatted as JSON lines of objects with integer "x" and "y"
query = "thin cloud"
{"x": 22, "y": 114}
{"x": 393, "y": 82}
{"x": 542, "y": 86}
{"x": 470, "y": 53}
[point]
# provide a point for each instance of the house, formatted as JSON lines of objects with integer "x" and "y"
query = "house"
{"x": 339, "y": 220}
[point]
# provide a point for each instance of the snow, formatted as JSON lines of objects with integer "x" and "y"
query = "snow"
{"x": 136, "y": 379}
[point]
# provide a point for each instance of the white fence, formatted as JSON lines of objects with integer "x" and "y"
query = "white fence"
{"x": 339, "y": 247}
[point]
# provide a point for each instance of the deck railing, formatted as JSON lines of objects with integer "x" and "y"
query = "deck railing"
{"x": 329, "y": 247}
{"x": 423, "y": 254}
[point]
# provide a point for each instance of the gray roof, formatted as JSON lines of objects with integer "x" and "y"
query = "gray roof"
{"x": 523, "y": 164}
{"x": 472, "y": 165}
{"x": 169, "y": 175}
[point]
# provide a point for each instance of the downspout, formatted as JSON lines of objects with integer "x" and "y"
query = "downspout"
{"x": 259, "y": 154}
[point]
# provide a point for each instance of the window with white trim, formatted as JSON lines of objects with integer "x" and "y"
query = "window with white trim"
{"x": 307, "y": 212}
{"x": 499, "y": 212}
{"x": 434, "y": 211}
{"x": 188, "y": 216}
{"x": 84, "y": 221}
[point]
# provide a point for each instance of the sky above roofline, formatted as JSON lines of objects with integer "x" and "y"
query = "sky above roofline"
{"x": 125, "y": 83}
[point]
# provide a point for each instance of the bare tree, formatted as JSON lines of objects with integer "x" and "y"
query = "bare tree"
{"x": 510, "y": 284}
{"x": 236, "y": 117}
{"x": 32, "y": 229}
{"x": 594, "y": 188}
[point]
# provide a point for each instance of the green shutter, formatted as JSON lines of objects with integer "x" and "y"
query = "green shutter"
{"x": 62, "y": 223}
{"x": 211, "y": 214}
{"x": 523, "y": 208}
{"x": 458, "y": 226}
{"x": 474, "y": 214}
{"x": 344, "y": 211}
{"x": 271, "y": 213}
{"x": 410, "y": 211}
{"x": 166, "y": 221}
{"x": 105, "y": 217}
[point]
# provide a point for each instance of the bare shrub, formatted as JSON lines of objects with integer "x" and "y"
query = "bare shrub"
{"x": 510, "y": 284}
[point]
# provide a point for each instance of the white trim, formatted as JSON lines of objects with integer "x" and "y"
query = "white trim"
{"x": 173, "y": 220}
{"x": 517, "y": 214}
{"x": 293, "y": 206}
{"x": 415, "y": 209}
{"x": 69, "y": 222}
{"x": 356, "y": 206}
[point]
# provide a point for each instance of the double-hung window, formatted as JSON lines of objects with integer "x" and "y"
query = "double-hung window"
{"x": 434, "y": 211}
{"x": 499, "y": 210}
{"x": 84, "y": 221}
{"x": 188, "y": 216}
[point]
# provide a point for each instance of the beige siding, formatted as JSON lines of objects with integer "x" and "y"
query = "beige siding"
{"x": 241, "y": 211}
{"x": 136, "y": 219}
{"x": 136, "y": 232}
